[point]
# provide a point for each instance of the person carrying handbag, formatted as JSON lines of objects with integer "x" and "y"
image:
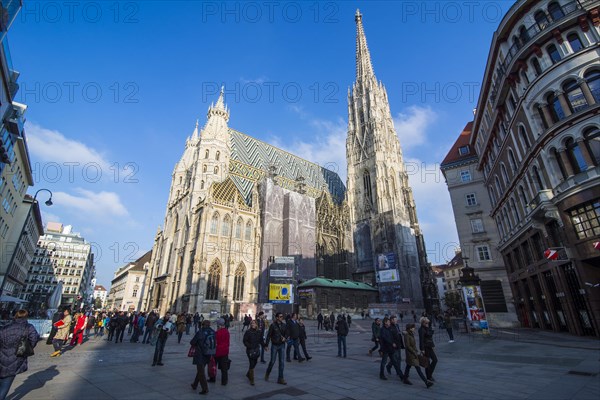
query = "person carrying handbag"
{"x": 253, "y": 341}
{"x": 222, "y": 351}
{"x": 412, "y": 355}
{"x": 11, "y": 336}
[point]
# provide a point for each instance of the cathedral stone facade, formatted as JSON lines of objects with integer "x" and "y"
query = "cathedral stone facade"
{"x": 236, "y": 202}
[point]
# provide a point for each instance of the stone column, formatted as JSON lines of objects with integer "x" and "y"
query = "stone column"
{"x": 585, "y": 153}
{"x": 587, "y": 93}
{"x": 563, "y": 102}
{"x": 566, "y": 162}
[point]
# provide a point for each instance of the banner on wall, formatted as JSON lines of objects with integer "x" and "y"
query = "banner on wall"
{"x": 281, "y": 293}
{"x": 386, "y": 268}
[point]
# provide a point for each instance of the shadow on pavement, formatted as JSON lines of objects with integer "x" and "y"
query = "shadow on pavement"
{"x": 33, "y": 382}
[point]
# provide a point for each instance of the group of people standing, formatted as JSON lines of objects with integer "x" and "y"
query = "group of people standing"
{"x": 391, "y": 340}
{"x": 329, "y": 322}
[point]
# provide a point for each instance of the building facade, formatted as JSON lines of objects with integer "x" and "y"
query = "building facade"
{"x": 537, "y": 136}
{"x": 101, "y": 293}
{"x": 382, "y": 209}
{"x": 477, "y": 232}
{"x": 128, "y": 286}
{"x": 60, "y": 255}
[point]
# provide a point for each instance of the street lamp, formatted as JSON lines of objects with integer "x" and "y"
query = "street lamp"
{"x": 47, "y": 202}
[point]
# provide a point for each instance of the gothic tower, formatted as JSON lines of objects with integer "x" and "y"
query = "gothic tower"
{"x": 385, "y": 227}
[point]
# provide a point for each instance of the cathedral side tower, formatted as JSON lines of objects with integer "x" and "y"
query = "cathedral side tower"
{"x": 381, "y": 205}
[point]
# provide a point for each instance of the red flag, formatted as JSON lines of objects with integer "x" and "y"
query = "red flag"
{"x": 551, "y": 254}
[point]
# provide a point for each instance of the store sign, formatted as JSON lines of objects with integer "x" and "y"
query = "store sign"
{"x": 282, "y": 273}
{"x": 306, "y": 293}
{"x": 281, "y": 293}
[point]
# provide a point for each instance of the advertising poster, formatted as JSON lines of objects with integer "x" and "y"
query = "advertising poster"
{"x": 475, "y": 307}
{"x": 280, "y": 293}
{"x": 386, "y": 268}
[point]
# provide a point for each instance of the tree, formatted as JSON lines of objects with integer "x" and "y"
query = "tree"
{"x": 453, "y": 300}
{"x": 98, "y": 303}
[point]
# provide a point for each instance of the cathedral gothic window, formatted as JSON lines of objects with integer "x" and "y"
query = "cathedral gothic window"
{"x": 212, "y": 285}
{"x": 214, "y": 224}
{"x": 238, "y": 283}
{"x": 367, "y": 186}
{"x": 206, "y": 154}
{"x": 216, "y": 170}
{"x": 238, "y": 229}
{"x": 218, "y": 155}
{"x": 204, "y": 168}
{"x": 201, "y": 184}
{"x": 248, "y": 232}
{"x": 226, "y": 229}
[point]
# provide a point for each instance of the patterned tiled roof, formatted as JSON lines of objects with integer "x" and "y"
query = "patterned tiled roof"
{"x": 251, "y": 159}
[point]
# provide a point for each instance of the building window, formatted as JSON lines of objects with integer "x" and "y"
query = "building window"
{"x": 471, "y": 199}
{"x": 555, "y": 11}
{"x": 465, "y": 176}
{"x": 134, "y": 293}
{"x": 575, "y": 156}
{"x": 575, "y": 96}
{"x": 477, "y": 225}
{"x": 592, "y": 140}
{"x": 216, "y": 170}
{"x": 248, "y": 232}
{"x": 238, "y": 229}
{"x": 586, "y": 219}
{"x": 504, "y": 175}
{"x": 214, "y": 224}
{"x": 535, "y": 63}
{"x": 214, "y": 278}
{"x": 483, "y": 253}
{"x": 201, "y": 184}
{"x": 556, "y": 111}
{"x": 218, "y": 155}
{"x": 559, "y": 163}
{"x": 511, "y": 161}
{"x": 238, "y": 283}
{"x": 592, "y": 79}
{"x": 463, "y": 150}
{"x": 367, "y": 186}
{"x": 524, "y": 138}
{"x": 226, "y": 228}
{"x": 553, "y": 53}
{"x": 206, "y": 154}
{"x": 575, "y": 42}
{"x": 541, "y": 19}
{"x": 538, "y": 178}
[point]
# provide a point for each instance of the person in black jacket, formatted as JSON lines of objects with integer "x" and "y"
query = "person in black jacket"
{"x": 10, "y": 336}
{"x": 122, "y": 321}
{"x": 426, "y": 345}
{"x": 376, "y": 330}
{"x": 253, "y": 341}
{"x": 396, "y": 359}
{"x": 293, "y": 335}
{"x": 276, "y": 335}
{"x": 341, "y": 326}
{"x": 303, "y": 338}
{"x": 388, "y": 346}
{"x": 319, "y": 321}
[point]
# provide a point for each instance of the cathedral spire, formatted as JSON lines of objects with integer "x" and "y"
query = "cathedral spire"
{"x": 221, "y": 102}
{"x": 219, "y": 109}
{"x": 364, "y": 68}
{"x": 195, "y": 133}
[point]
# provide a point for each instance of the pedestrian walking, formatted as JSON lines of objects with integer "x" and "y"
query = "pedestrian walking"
{"x": 276, "y": 336}
{"x": 188, "y": 323}
{"x": 412, "y": 356}
{"x": 303, "y": 338}
{"x": 319, "y": 321}
{"x": 122, "y": 321}
{"x": 91, "y": 323}
{"x": 387, "y": 346}
{"x": 426, "y": 345}
{"x": 293, "y": 335}
{"x": 349, "y": 320}
{"x": 150, "y": 322}
{"x": 12, "y": 364}
{"x": 62, "y": 334}
{"x": 253, "y": 341}
{"x": 196, "y": 320}
{"x": 448, "y": 325}
{"x": 162, "y": 330}
{"x": 262, "y": 327}
{"x": 341, "y": 327}
{"x": 398, "y": 345}
{"x": 222, "y": 350}
{"x": 204, "y": 340}
{"x": 332, "y": 320}
{"x": 376, "y": 331}
{"x": 80, "y": 323}
{"x": 180, "y": 326}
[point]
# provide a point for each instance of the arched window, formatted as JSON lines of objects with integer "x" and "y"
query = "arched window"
{"x": 556, "y": 111}
{"x": 238, "y": 229}
{"x": 593, "y": 81}
{"x": 504, "y": 175}
{"x": 524, "y": 138}
{"x": 525, "y": 78}
{"x": 523, "y": 34}
{"x": 216, "y": 170}
{"x": 206, "y": 153}
{"x": 574, "y": 155}
{"x": 248, "y": 232}
{"x": 535, "y": 63}
{"x": 238, "y": 283}
{"x": 575, "y": 42}
{"x": 180, "y": 179}
{"x": 559, "y": 163}
{"x": 553, "y": 53}
{"x": 499, "y": 187}
{"x": 367, "y": 186}
{"x": 574, "y": 95}
{"x": 214, "y": 224}
{"x": 516, "y": 42}
{"x": 204, "y": 168}
{"x": 541, "y": 19}
{"x": 555, "y": 11}
{"x": 226, "y": 228}
{"x": 214, "y": 279}
{"x": 523, "y": 198}
{"x": 201, "y": 184}
{"x": 538, "y": 179}
{"x": 500, "y": 226}
{"x": 218, "y": 155}
{"x": 592, "y": 141}
{"x": 515, "y": 210}
{"x": 507, "y": 219}
{"x": 511, "y": 161}
{"x": 492, "y": 195}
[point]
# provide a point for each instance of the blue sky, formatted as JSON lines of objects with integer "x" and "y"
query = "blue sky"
{"x": 114, "y": 88}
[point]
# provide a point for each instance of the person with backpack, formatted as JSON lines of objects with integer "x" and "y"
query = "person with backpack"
{"x": 162, "y": 330}
{"x": 341, "y": 326}
{"x": 276, "y": 335}
{"x": 222, "y": 350}
{"x": 205, "y": 343}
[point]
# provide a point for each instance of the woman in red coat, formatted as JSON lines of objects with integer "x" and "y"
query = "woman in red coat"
{"x": 222, "y": 350}
{"x": 80, "y": 323}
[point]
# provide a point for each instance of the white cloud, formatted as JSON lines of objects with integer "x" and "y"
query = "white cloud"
{"x": 49, "y": 217}
{"x": 94, "y": 205}
{"x": 412, "y": 125}
{"x": 53, "y": 146}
